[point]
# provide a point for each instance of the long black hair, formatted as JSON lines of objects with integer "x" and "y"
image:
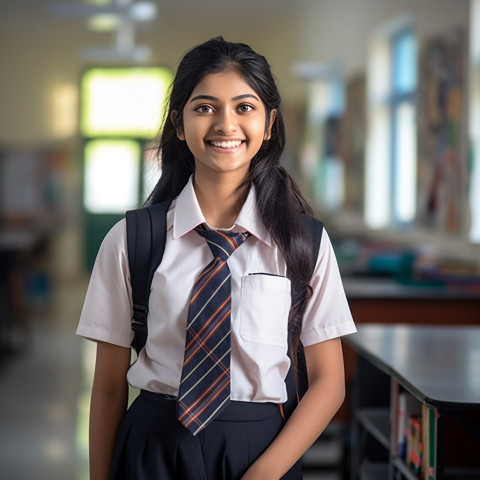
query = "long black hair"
{"x": 279, "y": 200}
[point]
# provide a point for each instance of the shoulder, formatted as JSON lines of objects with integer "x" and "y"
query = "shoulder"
{"x": 325, "y": 265}
{"x": 116, "y": 234}
{"x": 114, "y": 241}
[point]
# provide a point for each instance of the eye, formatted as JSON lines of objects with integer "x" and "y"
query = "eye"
{"x": 204, "y": 109}
{"x": 245, "y": 107}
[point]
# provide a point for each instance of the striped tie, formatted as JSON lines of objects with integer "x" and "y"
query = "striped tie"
{"x": 205, "y": 382}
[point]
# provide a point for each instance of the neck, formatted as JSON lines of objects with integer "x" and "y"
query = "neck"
{"x": 219, "y": 199}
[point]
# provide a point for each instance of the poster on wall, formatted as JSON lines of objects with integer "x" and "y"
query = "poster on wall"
{"x": 441, "y": 171}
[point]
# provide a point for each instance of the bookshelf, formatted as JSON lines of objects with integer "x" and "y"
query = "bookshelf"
{"x": 415, "y": 402}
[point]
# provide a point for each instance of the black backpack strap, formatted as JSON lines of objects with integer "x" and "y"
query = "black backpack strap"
{"x": 297, "y": 381}
{"x": 146, "y": 237}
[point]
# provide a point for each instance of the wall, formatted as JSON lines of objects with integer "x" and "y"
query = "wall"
{"x": 40, "y": 65}
{"x": 339, "y": 30}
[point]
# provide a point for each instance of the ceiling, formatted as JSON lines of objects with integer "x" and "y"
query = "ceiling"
{"x": 9, "y": 8}
{"x": 237, "y": 17}
{"x": 248, "y": 16}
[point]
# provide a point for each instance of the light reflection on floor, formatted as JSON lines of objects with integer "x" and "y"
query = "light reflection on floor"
{"x": 44, "y": 395}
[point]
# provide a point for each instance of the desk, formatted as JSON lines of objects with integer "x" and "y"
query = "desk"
{"x": 438, "y": 368}
{"x": 385, "y": 300}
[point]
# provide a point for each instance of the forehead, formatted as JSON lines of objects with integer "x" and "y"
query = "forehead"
{"x": 226, "y": 85}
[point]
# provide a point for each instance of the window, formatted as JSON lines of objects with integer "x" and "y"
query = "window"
{"x": 121, "y": 110}
{"x": 123, "y": 101}
{"x": 106, "y": 192}
{"x": 391, "y": 155}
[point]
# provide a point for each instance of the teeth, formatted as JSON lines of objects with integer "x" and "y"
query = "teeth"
{"x": 229, "y": 144}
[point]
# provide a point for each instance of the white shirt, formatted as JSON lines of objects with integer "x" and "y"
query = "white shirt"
{"x": 260, "y": 303}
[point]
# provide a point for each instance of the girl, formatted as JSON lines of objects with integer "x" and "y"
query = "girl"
{"x": 220, "y": 149}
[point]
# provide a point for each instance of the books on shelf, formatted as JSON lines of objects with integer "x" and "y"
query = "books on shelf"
{"x": 408, "y": 407}
{"x": 416, "y": 433}
{"x": 414, "y": 443}
{"x": 429, "y": 434}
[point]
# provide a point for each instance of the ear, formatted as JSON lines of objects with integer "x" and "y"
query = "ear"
{"x": 178, "y": 128}
{"x": 268, "y": 133}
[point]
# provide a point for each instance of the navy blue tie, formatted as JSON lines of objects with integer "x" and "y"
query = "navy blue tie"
{"x": 205, "y": 382}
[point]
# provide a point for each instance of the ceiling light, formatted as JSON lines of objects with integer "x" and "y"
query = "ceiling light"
{"x": 143, "y": 11}
{"x": 104, "y": 22}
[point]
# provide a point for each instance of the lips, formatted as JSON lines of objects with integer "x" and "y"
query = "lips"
{"x": 226, "y": 144}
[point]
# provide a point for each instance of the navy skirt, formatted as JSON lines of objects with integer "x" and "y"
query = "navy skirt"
{"x": 153, "y": 445}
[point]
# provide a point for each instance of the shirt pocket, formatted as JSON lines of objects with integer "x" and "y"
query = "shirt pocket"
{"x": 265, "y": 304}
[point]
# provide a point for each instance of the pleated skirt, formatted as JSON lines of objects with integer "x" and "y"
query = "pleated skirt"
{"x": 153, "y": 445}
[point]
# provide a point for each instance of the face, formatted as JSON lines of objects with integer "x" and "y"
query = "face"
{"x": 224, "y": 125}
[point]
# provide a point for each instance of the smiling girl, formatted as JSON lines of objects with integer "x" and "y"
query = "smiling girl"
{"x": 220, "y": 150}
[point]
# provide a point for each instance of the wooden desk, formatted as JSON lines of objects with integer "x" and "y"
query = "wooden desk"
{"x": 439, "y": 368}
{"x": 384, "y": 300}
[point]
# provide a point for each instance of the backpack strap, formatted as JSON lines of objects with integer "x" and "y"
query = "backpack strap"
{"x": 146, "y": 237}
{"x": 296, "y": 379}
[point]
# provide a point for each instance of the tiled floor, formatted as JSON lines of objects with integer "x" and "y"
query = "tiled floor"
{"x": 44, "y": 397}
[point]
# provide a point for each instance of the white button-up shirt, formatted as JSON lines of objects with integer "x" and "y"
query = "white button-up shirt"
{"x": 260, "y": 303}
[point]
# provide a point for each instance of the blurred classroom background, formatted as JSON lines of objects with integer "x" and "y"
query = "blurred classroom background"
{"x": 382, "y": 108}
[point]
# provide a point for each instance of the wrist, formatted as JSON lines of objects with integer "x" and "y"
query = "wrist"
{"x": 266, "y": 470}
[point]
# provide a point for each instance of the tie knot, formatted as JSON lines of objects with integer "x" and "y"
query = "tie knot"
{"x": 222, "y": 244}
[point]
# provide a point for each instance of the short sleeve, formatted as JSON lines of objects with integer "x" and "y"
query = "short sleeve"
{"x": 327, "y": 314}
{"x": 107, "y": 310}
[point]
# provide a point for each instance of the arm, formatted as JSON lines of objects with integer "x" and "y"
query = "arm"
{"x": 323, "y": 398}
{"x": 108, "y": 405}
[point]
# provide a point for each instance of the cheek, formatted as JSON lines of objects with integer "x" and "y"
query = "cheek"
{"x": 258, "y": 129}
{"x": 194, "y": 146}
{"x": 192, "y": 134}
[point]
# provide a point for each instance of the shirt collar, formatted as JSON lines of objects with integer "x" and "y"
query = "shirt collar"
{"x": 188, "y": 214}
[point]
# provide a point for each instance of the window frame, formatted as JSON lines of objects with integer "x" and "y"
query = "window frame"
{"x": 384, "y": 102}
{"x": 396, "y": 100}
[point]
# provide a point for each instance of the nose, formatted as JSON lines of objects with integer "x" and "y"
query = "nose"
{"x": 226, "y": 122}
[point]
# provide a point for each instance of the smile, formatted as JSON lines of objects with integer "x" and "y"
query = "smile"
{"x": 229, "y": 144}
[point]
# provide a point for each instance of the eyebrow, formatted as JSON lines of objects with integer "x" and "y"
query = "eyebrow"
{"x": 215, "y": 99}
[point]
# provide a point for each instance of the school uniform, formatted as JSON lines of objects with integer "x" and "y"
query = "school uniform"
{"x": 260, "y": 303}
